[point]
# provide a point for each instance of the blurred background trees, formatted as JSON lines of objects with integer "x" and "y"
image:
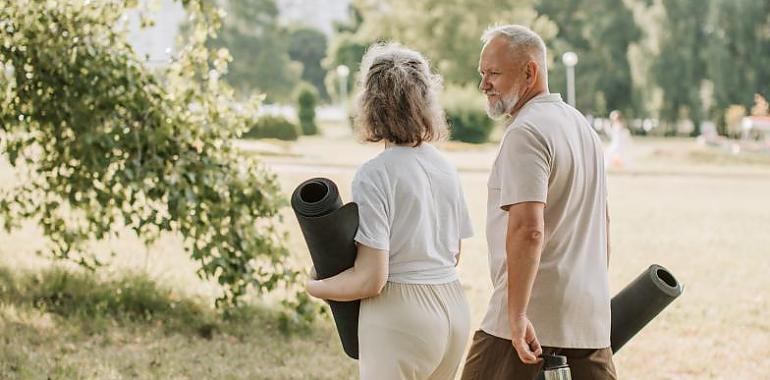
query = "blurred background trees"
{"x": 667, "y": 60}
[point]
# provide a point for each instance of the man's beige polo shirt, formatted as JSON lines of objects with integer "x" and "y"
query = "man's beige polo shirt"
{"x": 550, "y": 154}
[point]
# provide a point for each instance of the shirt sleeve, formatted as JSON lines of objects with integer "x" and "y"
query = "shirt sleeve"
{"x": 373, "y": 224}
{"x": 525, "y": 167}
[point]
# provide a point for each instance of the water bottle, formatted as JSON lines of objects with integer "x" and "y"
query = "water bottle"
{"x": 555, "y": 368}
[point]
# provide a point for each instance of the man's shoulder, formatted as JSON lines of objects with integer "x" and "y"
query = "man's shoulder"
{"x": 524, "y": 128}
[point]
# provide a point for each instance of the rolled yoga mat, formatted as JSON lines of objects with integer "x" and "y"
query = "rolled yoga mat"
{"x": 329, "y": 229}
{"x": 638, "y": 303}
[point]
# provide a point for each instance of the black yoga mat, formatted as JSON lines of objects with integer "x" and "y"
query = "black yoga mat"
{"x": 329, "y": 229}
{"x": 638, "y": 303}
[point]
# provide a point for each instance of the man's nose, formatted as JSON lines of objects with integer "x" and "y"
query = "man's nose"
{"x": 484, "y": 84}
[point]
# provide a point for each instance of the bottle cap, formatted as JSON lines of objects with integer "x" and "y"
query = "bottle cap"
{"x": 554, "y": 362}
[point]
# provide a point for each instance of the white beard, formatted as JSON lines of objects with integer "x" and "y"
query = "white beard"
{"x": 502, "y": 107}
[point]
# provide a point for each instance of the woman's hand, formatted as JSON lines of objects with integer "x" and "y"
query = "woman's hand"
{"x": 312, "y": 284}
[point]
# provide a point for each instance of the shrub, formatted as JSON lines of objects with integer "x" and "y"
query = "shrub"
{"x": 307, "y": 98}
{"x": 275, "y": 127}
{"x": 467, "y": 118}
{"x": 102, "y": 144}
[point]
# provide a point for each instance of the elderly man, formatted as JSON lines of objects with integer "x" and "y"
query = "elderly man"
{"x": 546, "y": 224}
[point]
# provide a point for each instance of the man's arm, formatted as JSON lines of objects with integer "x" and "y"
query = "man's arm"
{"x": 365, "y": 279}
{"x": 523, "y": 245}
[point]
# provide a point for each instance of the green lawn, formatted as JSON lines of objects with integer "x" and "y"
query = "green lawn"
{"x": 700, "y": 212}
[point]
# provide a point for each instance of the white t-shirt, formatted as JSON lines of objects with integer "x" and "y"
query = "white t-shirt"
{"x": 550, "y": 154}
{"x": 410, "y": 204}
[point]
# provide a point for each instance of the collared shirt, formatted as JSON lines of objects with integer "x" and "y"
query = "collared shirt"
{"x": 550, "y": 154}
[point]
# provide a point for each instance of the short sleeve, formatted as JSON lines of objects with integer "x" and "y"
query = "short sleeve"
{"x": 464, "y": 221}
{"x": 373, "y": 224}
{"x": 524, "y": 167}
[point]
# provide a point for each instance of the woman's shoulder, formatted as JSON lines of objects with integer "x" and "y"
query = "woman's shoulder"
{"x": 372, "y": 170}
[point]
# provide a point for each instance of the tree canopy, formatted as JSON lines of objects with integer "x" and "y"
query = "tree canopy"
{"x": 103, "y": 144}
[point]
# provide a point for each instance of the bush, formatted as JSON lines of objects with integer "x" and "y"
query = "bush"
{"x": 131, "y": 148}
{"x": 275, "y": 127}
{"x": 467, "y": 118}
{"x": 307, "y": 98}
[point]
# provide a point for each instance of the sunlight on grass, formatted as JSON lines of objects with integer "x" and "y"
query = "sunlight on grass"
{"x": 699, "y": 211}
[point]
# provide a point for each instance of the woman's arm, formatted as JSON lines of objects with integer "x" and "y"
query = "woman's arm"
{"x": 365, "y": 279}
{"x": 459, "y": 250}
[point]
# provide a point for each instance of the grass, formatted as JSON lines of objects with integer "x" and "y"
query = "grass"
{"x": 95, "y": 305}
{"x": 701, "y": 212}
{"x": 64, "y": 324}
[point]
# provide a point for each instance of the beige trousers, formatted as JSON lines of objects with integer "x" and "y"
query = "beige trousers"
{"x": 413, "y": 332}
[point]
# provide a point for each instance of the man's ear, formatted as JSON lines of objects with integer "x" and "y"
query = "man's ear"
{"x": 531, "y": 73}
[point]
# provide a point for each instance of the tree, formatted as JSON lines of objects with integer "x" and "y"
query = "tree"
{"x": 308, "y": 46}
{"x": 737, "y": 55}
{"x": 447, "y": 32}
{"x": 601, "y": 39}
{"x": 107, "y": 145}
{"x": 347, "y": 48}
{"x": 259, "y": 46}
{"x": 680, "y": 68}
{"x": 307, "y": 97}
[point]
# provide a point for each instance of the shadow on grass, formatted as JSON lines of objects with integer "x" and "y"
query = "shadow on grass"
{"x": 133, "y": 300}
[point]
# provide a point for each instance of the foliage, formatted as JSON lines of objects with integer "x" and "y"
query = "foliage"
{"x": 347, "y": 48}
{"x": 105, "y": 145}
{"x": 761, "y": 106}
{"x": 467, "y": 117}
{"x": 308, "y": 46}
{"x": 722, "y": 46}
{"x": 738, "y": 50}
{"x": 680, "y": 69}
{"x": 601, "y": 40}
{"x": 661, "y": 58}
{"x": 307, "y": 98}
{"x": 260, "y": 50}
{"x": 129, "y": 298}
{"x": 447, "y": 32}
{"x": 733, "y": 117}
{"x": 275, "y": 127}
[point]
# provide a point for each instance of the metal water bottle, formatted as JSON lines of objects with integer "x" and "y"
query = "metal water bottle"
{"x": 555, "y": 368}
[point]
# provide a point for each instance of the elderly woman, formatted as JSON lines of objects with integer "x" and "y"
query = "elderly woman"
{"x": 414, "y": 318}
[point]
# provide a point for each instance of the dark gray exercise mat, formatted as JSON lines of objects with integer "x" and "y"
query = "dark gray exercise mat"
{"x": 638, "y": 303}
{"x": 329, "y": 229}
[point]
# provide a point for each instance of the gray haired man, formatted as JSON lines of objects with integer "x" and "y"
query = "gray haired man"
{"x": 547, "y": 224}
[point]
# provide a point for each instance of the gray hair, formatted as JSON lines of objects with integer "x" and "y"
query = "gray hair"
{"x": 398, "y": 101}
{"x": 520, "y": 39}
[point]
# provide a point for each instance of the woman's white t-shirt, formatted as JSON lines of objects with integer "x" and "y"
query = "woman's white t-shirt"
{"x": 411, "y": 204}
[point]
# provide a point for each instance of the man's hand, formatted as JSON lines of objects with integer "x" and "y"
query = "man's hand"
{"x": 525, "y": 340}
